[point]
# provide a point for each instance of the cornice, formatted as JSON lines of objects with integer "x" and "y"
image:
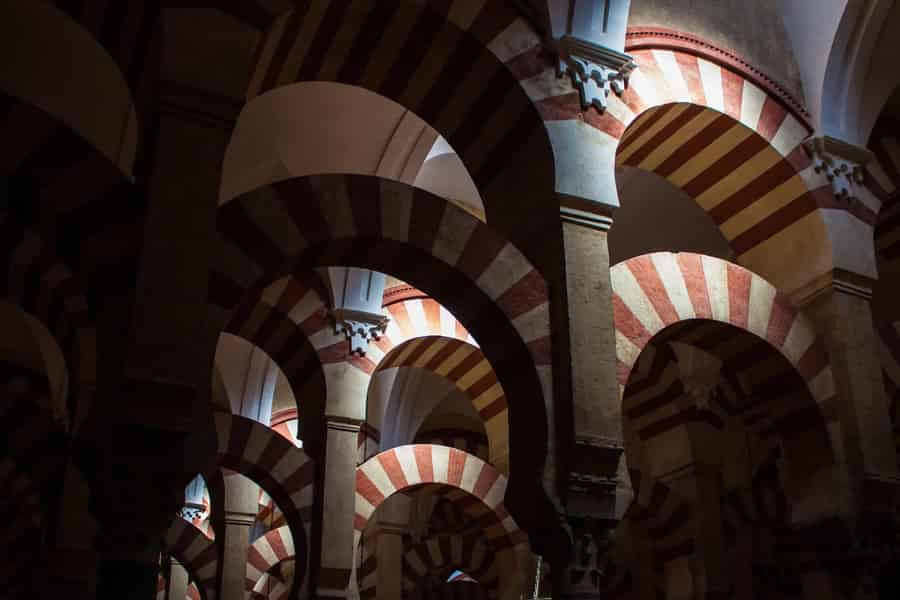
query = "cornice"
{"x": 585, "y": 213}
{"x": 637, "y": 38}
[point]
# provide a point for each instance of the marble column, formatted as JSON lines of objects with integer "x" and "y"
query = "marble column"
{"x": 241, "y": 506}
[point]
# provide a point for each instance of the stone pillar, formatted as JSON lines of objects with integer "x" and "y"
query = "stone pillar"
{"x": 339, "y": 507}
{"x": 598, "y": 490}
{"x": 177, "y": 585}
{"x": 241, "y": 506}
{"x": 839, "y": 306}
{"x": 393, "y": 518}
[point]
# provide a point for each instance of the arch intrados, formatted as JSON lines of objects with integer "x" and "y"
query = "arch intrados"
{"x": 374, "y": 230}
{"x": 197, "y": 553}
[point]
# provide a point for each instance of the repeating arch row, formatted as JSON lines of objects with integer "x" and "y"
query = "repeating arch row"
{"x": 270, "y": 549}
{"x": 448, "y": 552}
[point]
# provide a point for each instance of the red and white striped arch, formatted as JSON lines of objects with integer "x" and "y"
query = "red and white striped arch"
{"x": 197, "y": 553}
{"x": 403, "y": 467}
{"x": 653, "y": 291}
{"x": 266, "y": 552}
{"x": 270, "y": 588}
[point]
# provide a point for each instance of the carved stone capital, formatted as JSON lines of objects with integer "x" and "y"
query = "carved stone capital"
{"x": 595, "y": 70}
{"x": 842, "y": 164}
{"x": 589, "y": 567}
{"x": 360, "y": 327}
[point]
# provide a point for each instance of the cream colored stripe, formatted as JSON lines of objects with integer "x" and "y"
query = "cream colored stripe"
{"x": 671, "y": 113}
{"x": 626, "y": 351}
{"x": 800, "y": 337}
{"x": 752, "y": 101}
{"x": 474, "y": 374}
{"x": 789, "y": 135}
{"x": 738, "y": 179}
{"x": 716, "y": 274}
{"x": 767, "y": 205}
{"x": 454, "y": 359}
{"x": 672, "y": 72}
{"x": 440, "y": 462}
{"x": 434, "y": 347}
{"x": 632, "y": 294}
{"x": 471, "y": 470}
{"x": 377, "y": 475}
{"x": 488, "y": 396}
{"x": 711, "y": 78}
{"x": 710, "y": 154}
{"x": 417, "y": 317}
{"x": 762, "y": 298}
{"x": 690, "y": 129}
{"x": 645, "y": 88}
{"x": 673, "y": 280}
{"x": 407, "y": 459}
{"x": 408, "y": 349}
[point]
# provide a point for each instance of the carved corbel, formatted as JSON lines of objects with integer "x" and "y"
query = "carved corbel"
{"x": 360, "y": 327}
{"x": 842, "y": 164}
{"x": 594, "y": 70}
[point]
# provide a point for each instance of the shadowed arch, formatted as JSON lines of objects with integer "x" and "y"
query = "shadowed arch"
{"x": 442, "y": 554}
{"x": 197, "y": 553}
{"x": 453, "y": 53}
{"x": 390, "y": 227}
{"x": 278, "y": 467}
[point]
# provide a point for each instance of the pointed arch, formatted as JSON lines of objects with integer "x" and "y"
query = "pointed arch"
{"x": 388, "y": 226}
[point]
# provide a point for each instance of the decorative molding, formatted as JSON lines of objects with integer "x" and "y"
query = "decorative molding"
{"x": 401, "y": 293}
{"x": 838, "y": 280}
{"x": 338, "y": 423}
{"x": 360, "y": 327}
{"x": 594, "y": 70}
{"x": 638, "y": 38}
{"x": 586, "y": 213}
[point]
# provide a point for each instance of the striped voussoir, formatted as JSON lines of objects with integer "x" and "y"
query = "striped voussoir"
{"x": 267, "y": 551}
{"x": 416, "y": 318}
{"x": 472, "y": 442}
{"x": 654, "y": 291}
{"x": 465, "y": 366}
{"x": 883, "y": 179}
{"x": 160, "y": 587}
{"x": 406, "y": 466}
{"x": 197, "y": 553}
{"x": 280, "y": 468}
{"x": 441, "y": 555}
{"x": 457, "y": 52}
{"x": 269, "y": 514}
{"x": 890, "y": 368}
{"x": 65, "y": 189}
{"x": 270, "y": 588}
{"x": 665, "y": 517}
{"x": 193, "y": 592}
